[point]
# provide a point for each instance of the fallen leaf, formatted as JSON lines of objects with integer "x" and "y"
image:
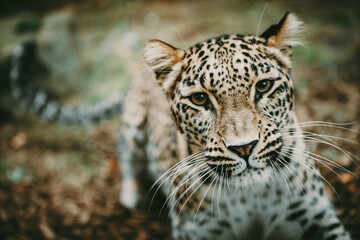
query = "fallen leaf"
{"x": 19, "y": 140}
{"x": 346, "y": 177}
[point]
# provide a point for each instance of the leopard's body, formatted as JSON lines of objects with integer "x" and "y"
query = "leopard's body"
{"x": 232, "y": 166}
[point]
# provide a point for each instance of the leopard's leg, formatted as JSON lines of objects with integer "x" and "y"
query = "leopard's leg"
{"x": 134, "y": 166}
{"x": 332, "y": 227}
{"x": 317, "y": 217}
{"x": 325, "y": 220}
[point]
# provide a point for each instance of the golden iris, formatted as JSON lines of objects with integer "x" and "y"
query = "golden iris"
{"x": 199, "y": 98}
{"x": 263, "y": 86}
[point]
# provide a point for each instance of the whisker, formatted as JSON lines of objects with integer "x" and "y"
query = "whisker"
{"x": 331, "y": 143}
{"x": 313, "y": 170}
{"x": 290, "y": 171}
{"x": 202, "y": 199}
{"x": 185, "y": 179}
{"x": 219, "y": 195}
{"x": 315, "y": 159}
{"x": 347, "y": 153}
{"x": 329, "y": 161}
{"x": 259, "y": 23}
{"x": 188, "y": 160}
{"x": 286, "y": 180}
{"x": 322, "y": 124}
{"x": 173, "y": 174}
{"x": 212, "y": 197}
{"x": 201, "y": 183}
{"x": 198, "y": 165}
{"x": 169, "y": 170}
{"x": 328, "y": 137}
{"x": 187, "y": 47}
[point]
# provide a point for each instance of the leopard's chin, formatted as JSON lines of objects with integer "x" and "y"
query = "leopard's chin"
{"x": 253, "y": 179}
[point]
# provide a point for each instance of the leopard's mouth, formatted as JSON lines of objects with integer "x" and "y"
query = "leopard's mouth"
{"x": 227, "y": 167}
{"x": 222, "y": 170}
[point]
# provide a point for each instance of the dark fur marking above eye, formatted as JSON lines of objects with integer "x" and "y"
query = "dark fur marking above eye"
{"x": 255, "y": 69}
{"x": 188, "y": 82}
{"x": 245, "y": 47}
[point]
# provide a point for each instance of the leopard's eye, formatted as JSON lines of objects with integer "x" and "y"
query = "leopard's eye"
{"x": 199, "y": 98}
{"x": 263, "y": 86}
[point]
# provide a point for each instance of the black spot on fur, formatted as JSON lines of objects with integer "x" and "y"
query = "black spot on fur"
{"x": 296, "y": 215}
{"x": 310, "y": 232}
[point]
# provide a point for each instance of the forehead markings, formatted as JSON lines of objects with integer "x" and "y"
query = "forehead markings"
{"x": 224, "y": 59}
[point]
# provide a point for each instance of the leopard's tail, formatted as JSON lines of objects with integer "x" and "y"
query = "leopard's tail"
{"x": 24, "y": 62}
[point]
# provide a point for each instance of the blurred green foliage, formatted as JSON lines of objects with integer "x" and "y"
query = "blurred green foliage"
{"x": 311, "y": 54}
{"x": 28, "y": 25}
{"x": 340, "y": 18}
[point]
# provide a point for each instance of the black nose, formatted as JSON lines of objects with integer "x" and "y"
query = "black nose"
{"x": 244, "y": 151}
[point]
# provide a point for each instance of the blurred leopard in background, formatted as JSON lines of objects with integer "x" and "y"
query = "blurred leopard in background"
{"x": 215, "y": 127}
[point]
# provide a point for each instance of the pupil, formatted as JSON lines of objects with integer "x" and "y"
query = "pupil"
{"x": 262, "y": 85}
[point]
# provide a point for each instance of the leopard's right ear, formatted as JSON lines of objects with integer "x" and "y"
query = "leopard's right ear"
{"x": 285, "y": 33}
{"x": 164, "y": 60}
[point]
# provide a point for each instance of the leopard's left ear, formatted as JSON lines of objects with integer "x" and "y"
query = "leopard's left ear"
{"x": 164, "y": 60}
{"x": 284, "y": 35}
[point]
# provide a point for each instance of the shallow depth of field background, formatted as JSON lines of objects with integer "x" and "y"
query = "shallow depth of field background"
{"x": 59, "y": 182}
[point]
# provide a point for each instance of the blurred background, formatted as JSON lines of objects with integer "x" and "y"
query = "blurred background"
{"x": 59, "y": 182}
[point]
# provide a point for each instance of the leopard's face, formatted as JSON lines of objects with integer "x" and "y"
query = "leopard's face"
{"x": 229, "y": 100}
{"x": 230, "y": 96}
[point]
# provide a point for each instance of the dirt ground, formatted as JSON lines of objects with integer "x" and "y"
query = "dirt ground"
{"x": 59, "y": 182}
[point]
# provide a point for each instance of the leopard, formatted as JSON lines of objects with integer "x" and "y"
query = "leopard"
{"x": 212, "y": 128}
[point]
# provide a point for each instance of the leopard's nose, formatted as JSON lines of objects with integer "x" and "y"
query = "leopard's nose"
{"x": 245, "y": 150}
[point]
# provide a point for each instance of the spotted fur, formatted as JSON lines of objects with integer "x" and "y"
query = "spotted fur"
{"x": 233, "y": 167}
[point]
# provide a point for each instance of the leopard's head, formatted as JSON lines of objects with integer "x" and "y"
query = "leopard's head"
{"x": 231, "y": 95}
